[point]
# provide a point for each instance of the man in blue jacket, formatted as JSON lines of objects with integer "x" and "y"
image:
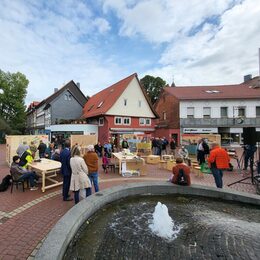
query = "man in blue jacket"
{"x": 66, "y": 170}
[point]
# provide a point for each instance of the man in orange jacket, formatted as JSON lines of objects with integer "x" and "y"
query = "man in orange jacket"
{"x": 218, "y": 161}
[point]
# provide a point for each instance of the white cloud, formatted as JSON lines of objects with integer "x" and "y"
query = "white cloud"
{"x": 209, "y": 42}
{"x": 47, "y": 45}
{"x": 163, "y": 20}
{"x": 102, "y": 25}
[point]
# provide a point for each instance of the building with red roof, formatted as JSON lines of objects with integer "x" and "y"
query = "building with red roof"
{"x": 220, "y": 109}
{"x": 122, "y": 108}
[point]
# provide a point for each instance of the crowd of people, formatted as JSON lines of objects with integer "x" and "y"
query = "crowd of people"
{"x": 81, "y": 172}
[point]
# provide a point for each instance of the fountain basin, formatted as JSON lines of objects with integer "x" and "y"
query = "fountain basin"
{"x": 63, "y": 232}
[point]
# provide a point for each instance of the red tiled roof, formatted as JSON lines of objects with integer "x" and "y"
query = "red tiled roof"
{"x": 245, "y": 90}
{"x": 32, "y": 105}
{"x": 101, "y": 102}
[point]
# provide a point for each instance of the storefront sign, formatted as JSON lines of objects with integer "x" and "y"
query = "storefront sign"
{"x": 200, "y": 130}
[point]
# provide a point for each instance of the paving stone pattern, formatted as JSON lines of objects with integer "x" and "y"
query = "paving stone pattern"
{"x": 26, "y": 217}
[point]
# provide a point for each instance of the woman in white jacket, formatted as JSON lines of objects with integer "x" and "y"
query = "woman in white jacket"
{"x": 79, "y": 177}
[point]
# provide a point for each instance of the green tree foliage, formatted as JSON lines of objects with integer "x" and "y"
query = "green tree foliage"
{"x": 12, "y": 100}
{"x": 153, "y": 86}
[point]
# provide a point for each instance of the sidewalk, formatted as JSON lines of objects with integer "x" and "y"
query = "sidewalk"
{"x": 27, "y": 217}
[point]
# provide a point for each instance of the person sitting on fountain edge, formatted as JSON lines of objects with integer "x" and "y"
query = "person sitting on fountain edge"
{"x": 181, "y": 173}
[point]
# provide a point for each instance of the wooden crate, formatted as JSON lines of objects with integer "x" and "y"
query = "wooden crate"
{"x": 153, "y": 159}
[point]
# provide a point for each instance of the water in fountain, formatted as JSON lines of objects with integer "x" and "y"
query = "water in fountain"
{"x": 162, "y": 224}
{"x": 209, "y": 229}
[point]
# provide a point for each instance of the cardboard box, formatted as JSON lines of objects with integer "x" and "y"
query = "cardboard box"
{"x": 136, "y": 167}
{"x": 153, "y": 159}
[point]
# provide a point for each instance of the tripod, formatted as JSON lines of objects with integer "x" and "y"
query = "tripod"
{"x": 241, "y": 162}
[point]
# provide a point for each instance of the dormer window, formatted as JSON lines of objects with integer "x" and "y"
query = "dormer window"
{"x": 90, "y": 107}
{"x": 100, "y": 104}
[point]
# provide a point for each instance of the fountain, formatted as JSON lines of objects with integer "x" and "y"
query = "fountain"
{"x": 162, "y": 224}
{"x": 122, "y": 222}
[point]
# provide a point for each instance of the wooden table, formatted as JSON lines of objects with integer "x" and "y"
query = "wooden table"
{"x": 132, "y": 163}
{"x": 47, "y": 169}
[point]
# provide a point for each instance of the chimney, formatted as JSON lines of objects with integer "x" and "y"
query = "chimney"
{"x": 78, "y": 85}
{"x": 55, "y": 90}
{"x": 247, "y": 77}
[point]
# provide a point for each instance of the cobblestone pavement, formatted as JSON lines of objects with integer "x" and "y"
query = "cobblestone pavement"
{"x": 27, "y": 217}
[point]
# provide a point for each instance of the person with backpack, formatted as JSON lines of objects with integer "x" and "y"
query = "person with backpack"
{"x": 181, "y": 173}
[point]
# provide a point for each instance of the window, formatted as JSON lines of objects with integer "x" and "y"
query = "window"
{"x": 91, "y": 107}
{"x": 148, "y": 121}
{"x": 241, "y": 111}
{"x": 67, "y": 97}
{"x": 127, "y": 121}
{"x": 125, "y": 102}
{"x": 164, "y": 115}
{"x": 190, "y": 112}
{"x": 224, "y": 112}
{"x": 257, "y": 111}
{"x": 118, "y": 120}
{"x": 101, "y": 121}
{"x": 144, "y": 121}
{"x": 141, "y": 121}
{"x": 206, "y": 112}
{"x": 139, "y": 103}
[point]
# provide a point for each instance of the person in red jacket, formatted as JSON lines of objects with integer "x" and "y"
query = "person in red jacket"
{"x": 218, "y": 161}
{"x": 176, "y": 171}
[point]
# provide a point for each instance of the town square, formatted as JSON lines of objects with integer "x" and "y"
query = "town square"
{"x": 129, "y": 129}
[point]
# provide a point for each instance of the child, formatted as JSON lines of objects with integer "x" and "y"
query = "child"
{"x": 105, "y": 162}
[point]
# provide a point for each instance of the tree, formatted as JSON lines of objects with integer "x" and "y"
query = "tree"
{"x": 153, "y": 86}
{"x": 12, "y": 100}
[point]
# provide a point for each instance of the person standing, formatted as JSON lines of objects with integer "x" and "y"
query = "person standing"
{"x": 98, "y": 149}
{"x": 173, "y": 147}
{"x": 79, "y": 176}
{"x": 154, "y": 146}
{"x": 184, "y": 154}
{"x": 164, "y": 145}
{"x": 200, "y": 152}
{"x": 125, "y": 144}
{"x": 218, "y": 161}
{"x": 42, "y": 148}
{"x": 66, "y": 170}
{"x": 91, "y": 160}
{"x": 33, "y": 147}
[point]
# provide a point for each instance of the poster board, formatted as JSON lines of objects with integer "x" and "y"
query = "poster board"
{"x": 190, "y": 141}
{"x": 144, "y": 149}
{"x": 83, "y": 141}
{"x": 139, "y": 144}
{"x": 13, "y": 141}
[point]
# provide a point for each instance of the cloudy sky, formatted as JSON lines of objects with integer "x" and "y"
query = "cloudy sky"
{"x": 98, "y": 42}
